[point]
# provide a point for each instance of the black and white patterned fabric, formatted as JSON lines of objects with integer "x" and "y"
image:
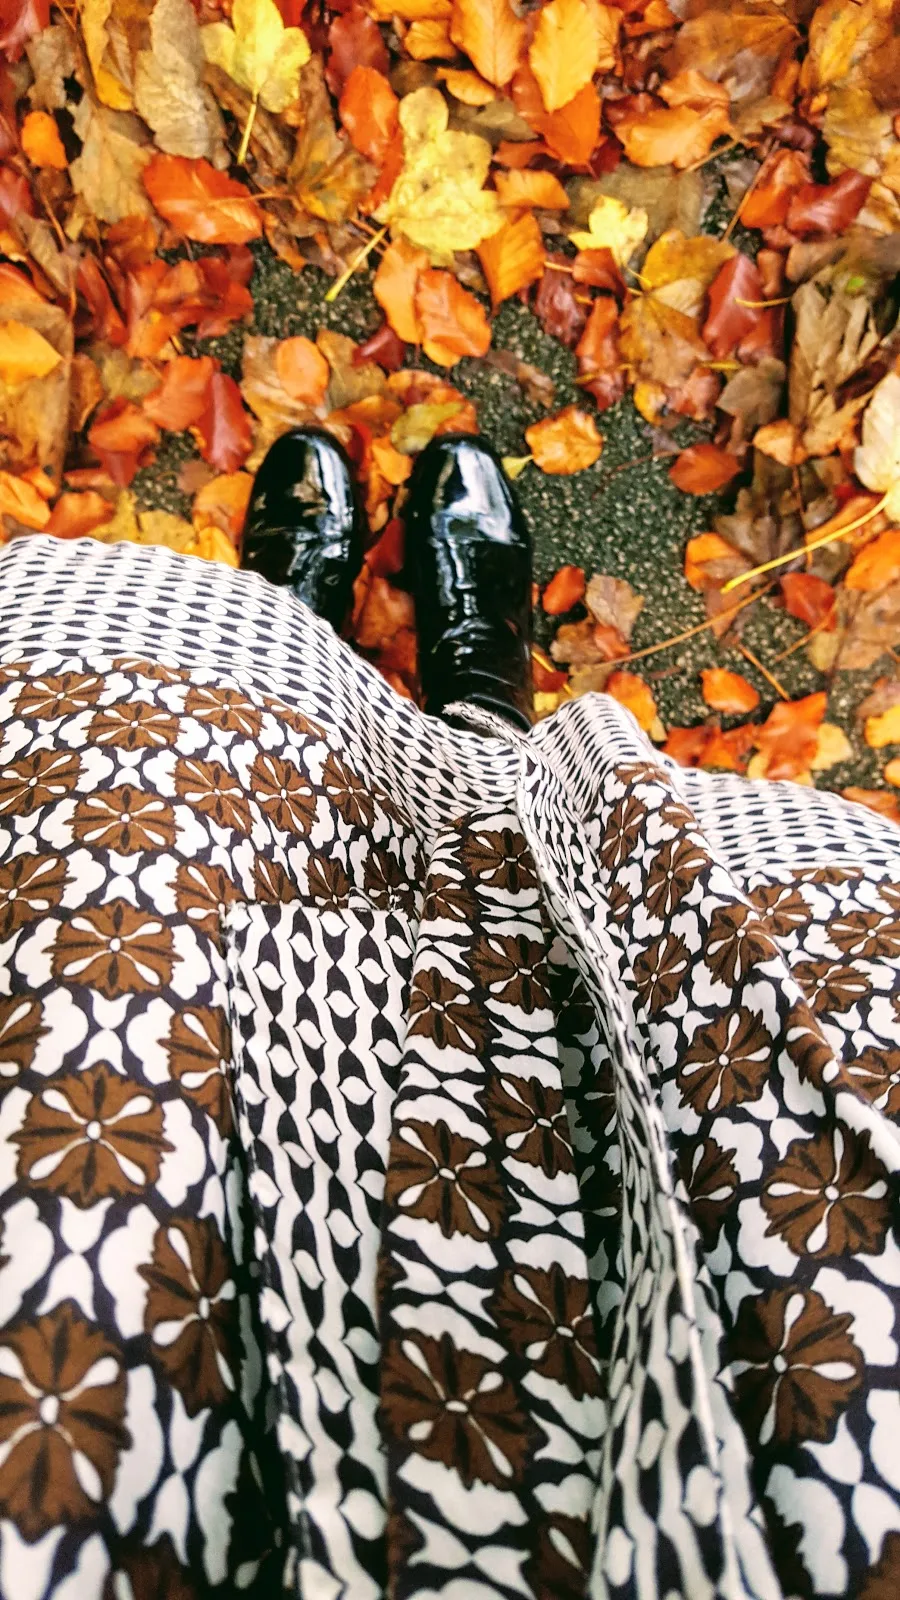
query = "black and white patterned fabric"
{"x": 431, "y": 1162}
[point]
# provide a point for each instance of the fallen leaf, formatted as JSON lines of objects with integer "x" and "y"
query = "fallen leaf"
{"x": 108, "y": 172}
{"x": 122, "y": 437}
{"x": 259, "y": 52}
{"x": 703, "y": 468}
{"x": 827, "y": 207}
{"x": 709, "y": 561}
{"x": 564, "y": 591}
{"x": 452, "y": 321}
{"x": 566, "y": 443}
{"x": 302, "y": 370}
{"x": 891, "y": 774}
{"x": 383, "y": 347}
{"x": 787, "y": 740}
{"x": 467, "y": 87}
{"x": 728, "y": 752}
{"x": 523, "y": 188}
{"x": 728, "y": 691}
{"x": 428, "y": 39}
{"x": 182, "y": 397}
{"x": 614, "y": 227}
{"x": 558, "y": 306}
{"x": 201, "y": 203}
{"x": 567, "y": 49}
{"x": 419, "y": 424}
{"x": 613, "y": 604}
{"x": 368, "y": 111}
{"x": 883, "y": 729}
{"x": 661, "y": 344}
{"x": 169, "y": 92}
{"x": 41, "y": 143}
{"x": 439, "y": 201}
{"x": 76, "y": 515}
{"x": 780, "y": 176}
{"x": 881, "y": 801}
{"x": 394, "y": 287}
{"x": 491, "y": 35}
{"x": 222, "y": 503}
{"x": 600, "y": 364}
{"x": 809, "y": 599}
{"x": 20, "y": 500}
{"x": 24, "y": 354}
{"x": 877, "y": 564}
{"x": 571, "y": 134}
{"x": 637, "y": 697}
{"x": 832, "y": 748}
{"x": 781, "y": 441}
{"x": 876, "y": 460}
{"x": 730, "y": 317}
{"x": 513, "y": 257}
{"x": 679, "y": 270}
{"x": 20, "y": 20}
{"x": 354, "y": 40}
{"x": 679, "y": 135}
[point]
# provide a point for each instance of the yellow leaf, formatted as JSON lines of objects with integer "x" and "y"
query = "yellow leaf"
{"x": 213, "y": 544}
{"x": 439, "y": 201}
{"x": 566, "y": 443}
{"x": 680, "y": 270}
{"x": 514, "y": 466}
{"x": 833, "y": 746}
{"x": 429, "y": 40}
{"x": 467, "y": 87}
{"x": 613, "y": 227}
{"x": 876, "y": 461}
{"x": 891, "y": 772}
{"x": 24, "y": 353}
{"x": 109, "y": 29}
{"x": 884, "y": 729}
{"x": 565, "y": 51}
{"x": 259, "y": 52}
{"x": 491, "y": 35}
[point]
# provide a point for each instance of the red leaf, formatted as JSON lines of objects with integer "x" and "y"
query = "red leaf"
{"x": 202, "y": 203}
{"x": 598, "y": 269}
{"x": 385, "y": 558}
{"x": 15, "y": 195}
{"x": 556, "y": 305}
{"x": 223, "y": 431}
{"x": 564, "y": 590}
{"x": 383, "y": 347}
{"x": 354, "y": 41}
{"x": 727, "y": 323}
{"x": 687, "y": 745}
{"x": 703, "y": 468}
{"x": 184, "y": 394}
{"x": 599, "y": 359}
{"x": 20, "y": 20}
{"x": 809, "y": 599}
{"x": 122, "y": 437}
{"x": 828, "y": 207}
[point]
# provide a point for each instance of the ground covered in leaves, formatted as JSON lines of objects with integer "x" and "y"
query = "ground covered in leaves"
{"x": 650, "y": 250}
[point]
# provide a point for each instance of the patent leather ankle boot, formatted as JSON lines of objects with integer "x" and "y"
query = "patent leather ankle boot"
{"x": 304, "y": 526}
{"x": 469, "y": 558}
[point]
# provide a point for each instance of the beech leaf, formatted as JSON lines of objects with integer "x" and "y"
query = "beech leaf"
{"x": 703, "y": 468}
{"x": 566, "y": 50}
{"x": 566, "y": 443}
{"x": 202, "y": 203}
{"x": 24, "y": 353}
{"x": 491, "y": 35}
{"x": 452, "y": 321}
{"x": 513, "y": 257}
{"x": 168, "y": 86}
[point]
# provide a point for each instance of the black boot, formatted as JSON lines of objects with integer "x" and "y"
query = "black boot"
{"x": 469, "y": 557}
{"x": 304, "y": 523}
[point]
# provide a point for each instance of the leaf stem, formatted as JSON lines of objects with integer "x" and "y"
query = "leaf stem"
{"x": 244, "y": 145}
{"x": 807, "y": 549}
{"x": 770, "y": 677}
{"x": 762, "y": 305}
{"x": 690, "y": 633}
{"x": 341, "y": 282}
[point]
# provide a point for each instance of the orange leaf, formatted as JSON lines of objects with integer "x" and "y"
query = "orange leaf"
{"x": 75, "y": 515}
{"x": 703, "y": 468}
{"x": 122, "y": 437}
{"x": 41, "y": 142}
{"x": 781, "y": 441}
{"x": 202, "y": 203}
{"x": 394, "y": 287}
{"x": 880, "y": 801}
{"x": 564, "y": 591}
{"x": 636, "y": 696}
{"x": 877, "y": 564}
{"x": 566, "y": 443}
{"x": 491, "y": 35}
{"x": 467, "y": 87}
{"x": 302, "y": 369}
{"x": 224, "y": 430}
{"x": 182, "y": 398}
{"x": 728, "y": 751}
{"x": 710, "y": 560}
{"x": 542, "y": 189}
{"x": 518, "y": 153}
{"x": 368, "y": 108}
{"x": 20, "y": 499}
{"x": 222, "y": 503}
{"x": 809, "y": 599}
{"x": 428, "y": 40}
{"x": 567, "y": 49}
{"x": 687, "y": 745}
{"x": 787, "y": 739}
{"x": 571, "y": 133}
{"x": 780, "y": 176}
{"x": 512, "y": 257}
{"x": 677, "y": 134}
{"x": 599, "y": 358}
{"x": 728, "y": 691}
{"x": 453, "y": 322}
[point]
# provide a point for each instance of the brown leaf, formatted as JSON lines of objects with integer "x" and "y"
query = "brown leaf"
{"x": 703, "y": 468}
{"x": 599, "y": 358}
{"x": 729, "y": 318}
{"x": 557, "y": 306}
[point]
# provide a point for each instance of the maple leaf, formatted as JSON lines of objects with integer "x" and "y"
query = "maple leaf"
{"x": 876, "y": 461}
{"x": 512, "y": 257}
{"x": 168, "y": 88}
{"x": 614, "y": 227}
{"x": 491, "y": 35}
{"x": 201, "y": 203}
{"x": 259, "y": 52}
{"x": 571, "y": 41}
{"x": 566, "y": 443}
{"x": 439, "y": 201}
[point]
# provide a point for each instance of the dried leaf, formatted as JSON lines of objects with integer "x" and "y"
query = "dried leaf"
{"x": 787, "y": 740}
{"x": 259, "y": 52}
{"x": 883, "y": 729}
{"x": 419, "y": 424}
{"x": 394, "y": 287}
{"x": 182, "y": 397}
{"x": 781, "y": 441}
{"x": 781, "y": 175}
{"x": 439, "y": 202}
{"x": 599, "y": 358}
{"x": 662, "y": 344}
{"x": 223, "y": 429}
{"x": 522, "y": 188}
{"x": 429, "y": 40}
{"x": 76, "y": 515}
{"x": 368, "y": 110}
{"x": 709, "y": 561}
{"x": 881, "y": 801}
{"x": 513, "y": 257}
{"x": 637, "y": 697}
{"x": 302, "y": 370}
{"x": 452, "y": 321}
{"x": 728, "y": 692}
{"x": 876, "y": 461}
{"x": 679, "y": 135}
{"x": 564, "y": 591}
{"x": 354, "y": 40}
{"x": 491, "y": 35}
{"x": 614, "y": 227}
{"x": 20, "y": 500}
{"x": 703, "y": 468}
{"x": 557, "y": 304}
{"x": 113, "y": 159}
{"x": 122, "y": 437}
{"x": 168, "y": 84}
{"x": 41, "y": 143}
{"x": 567, "y": 49}
{"x": 730, "y": 318}
{"x": 566, "y": 443}
{"x": 877, "y": 564}
{"x": 827, "y": 207}
{"x": 201, "y": 203}
{"x": 809, "y": 599}
{"x": 613, "y": 604}
{"x": 24, "y": 354}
